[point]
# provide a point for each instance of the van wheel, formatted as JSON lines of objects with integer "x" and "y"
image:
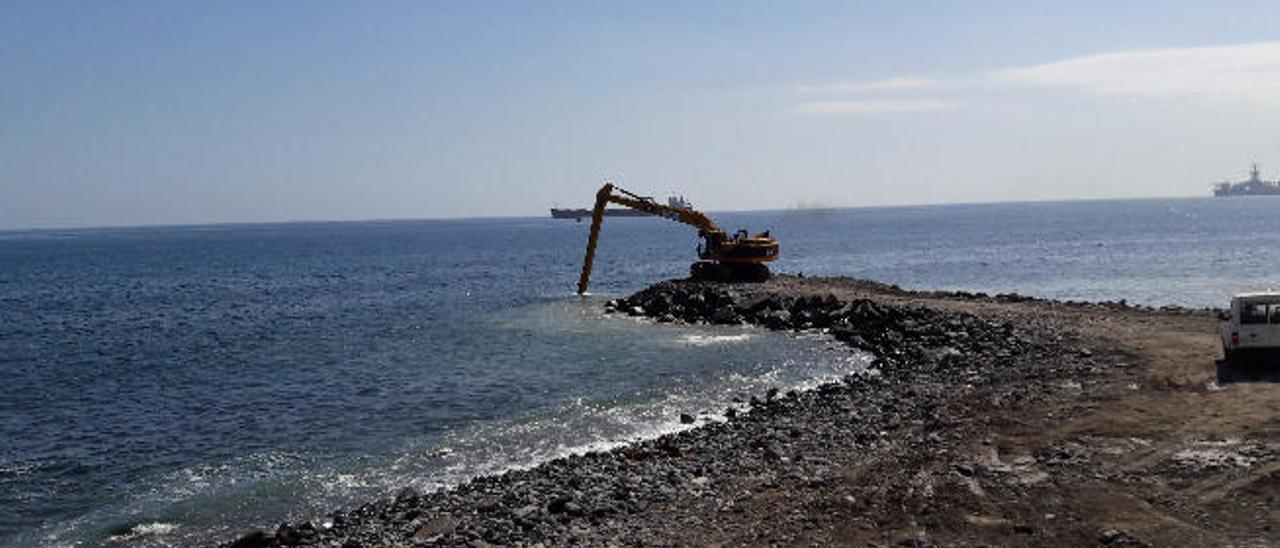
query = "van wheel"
{"x": 1225, "y": 371}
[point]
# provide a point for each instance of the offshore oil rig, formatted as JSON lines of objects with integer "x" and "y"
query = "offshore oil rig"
{"x": 1255, "y": 186}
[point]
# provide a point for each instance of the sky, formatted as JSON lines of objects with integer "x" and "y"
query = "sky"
{"x": 176, "y": 112}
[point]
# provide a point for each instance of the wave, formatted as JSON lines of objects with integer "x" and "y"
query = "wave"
{"x": 708, "y": 340}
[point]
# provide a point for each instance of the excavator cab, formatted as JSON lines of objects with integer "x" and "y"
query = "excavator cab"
{"x": 724, "y": 258}
{"x": 740, "y": 258}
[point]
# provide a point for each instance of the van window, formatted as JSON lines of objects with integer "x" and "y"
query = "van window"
{"x": 1253, "y": 313}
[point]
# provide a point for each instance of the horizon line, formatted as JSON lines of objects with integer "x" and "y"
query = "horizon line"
{"x": 125, "y": 226}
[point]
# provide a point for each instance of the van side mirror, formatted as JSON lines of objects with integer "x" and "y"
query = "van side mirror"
{"x": 1224, "y": 316}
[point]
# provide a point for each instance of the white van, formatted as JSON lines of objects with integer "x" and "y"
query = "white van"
{"x": 1252, "y": 326}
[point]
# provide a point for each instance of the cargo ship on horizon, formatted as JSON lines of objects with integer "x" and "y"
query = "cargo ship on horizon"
{"x": 578, "y": 214}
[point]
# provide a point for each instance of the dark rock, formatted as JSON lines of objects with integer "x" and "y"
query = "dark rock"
{"x": 776, "y": 319}
{"x": 255, "y": 539}
{"x": 755, "y": 304}
{"x": 564, "y": 505}
{"x": 407, "y": 495}
{"x": 725, "y": 316}
{"x": 771, "y": 452}
{"x": 291, "y": 535}
{"x": 686, "y": 418}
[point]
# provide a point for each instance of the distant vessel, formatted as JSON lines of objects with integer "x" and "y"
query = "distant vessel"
{"x": 1255, "y": 186}
{"x": 580, "y": 213}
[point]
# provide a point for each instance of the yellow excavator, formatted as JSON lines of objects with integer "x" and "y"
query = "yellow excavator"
{"x": 722, "y": 257}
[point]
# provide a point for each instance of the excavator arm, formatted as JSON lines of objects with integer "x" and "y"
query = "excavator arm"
{"x": 721, "y": 257}
{"x": 739, "y": 257}
{"x": 605, "y": 196}
{"x": 690, "y": 217}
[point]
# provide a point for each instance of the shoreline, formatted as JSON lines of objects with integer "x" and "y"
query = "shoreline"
{"x": 945, "y": 440}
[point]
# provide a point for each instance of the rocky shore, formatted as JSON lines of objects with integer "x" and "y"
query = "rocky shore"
{"x": 944, "y": 440}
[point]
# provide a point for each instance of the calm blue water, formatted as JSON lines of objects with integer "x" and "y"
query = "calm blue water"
{"x": 180, "y": 385}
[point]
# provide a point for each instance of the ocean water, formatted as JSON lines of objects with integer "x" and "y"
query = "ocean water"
{"x": 181, "y": 385}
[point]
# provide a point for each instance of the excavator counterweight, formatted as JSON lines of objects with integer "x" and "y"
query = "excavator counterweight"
{"x": 722, "y": 257}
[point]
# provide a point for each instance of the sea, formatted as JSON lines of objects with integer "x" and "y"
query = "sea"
{"x": 183, "y": 385}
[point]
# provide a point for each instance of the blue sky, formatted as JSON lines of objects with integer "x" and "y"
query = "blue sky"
{"x": 189, "y": 112}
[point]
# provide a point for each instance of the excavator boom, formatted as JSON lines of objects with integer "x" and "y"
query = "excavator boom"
{"x": 741, "y": 256}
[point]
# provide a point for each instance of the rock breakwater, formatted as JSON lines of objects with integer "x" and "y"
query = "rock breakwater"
{"x": 896, "y": 335}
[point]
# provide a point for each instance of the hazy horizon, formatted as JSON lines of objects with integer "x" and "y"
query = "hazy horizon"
{"x": 162, "y": 113}
{"x": 544, "y": 214}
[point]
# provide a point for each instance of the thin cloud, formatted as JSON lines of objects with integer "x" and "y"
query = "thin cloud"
{"x": 1232, "y": 73}
{"x": 887, "y": 84}
{"x": 1236, "y": 72}
{"x": 871, "y": 106}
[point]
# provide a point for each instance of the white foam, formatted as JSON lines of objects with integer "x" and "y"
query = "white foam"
{"x": 603, "y": 426}
{"x": 709, "y": 340}
{"x": 18, "y": 469}
{"x": 583, "y": 424}
{"x": 157, "y": 528}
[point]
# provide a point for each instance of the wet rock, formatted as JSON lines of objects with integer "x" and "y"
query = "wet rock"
{"x": 408, "y": 495}
{"x": 755, "y": 304}
{"x": 726, "y": 316}
{"x": 686, "y": 418}
{"x": 564, "y": 505}
{"x": 255, "y": 539}
{"x": 776, "y": 319}
{"x": 294, "y": 535}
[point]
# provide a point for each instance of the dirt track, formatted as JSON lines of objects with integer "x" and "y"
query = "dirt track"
{"x": 1152, "y": 451}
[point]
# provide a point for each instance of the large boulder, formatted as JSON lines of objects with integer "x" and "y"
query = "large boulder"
{"x": 725, "y": 315}
{"x": 776, "y": 319}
